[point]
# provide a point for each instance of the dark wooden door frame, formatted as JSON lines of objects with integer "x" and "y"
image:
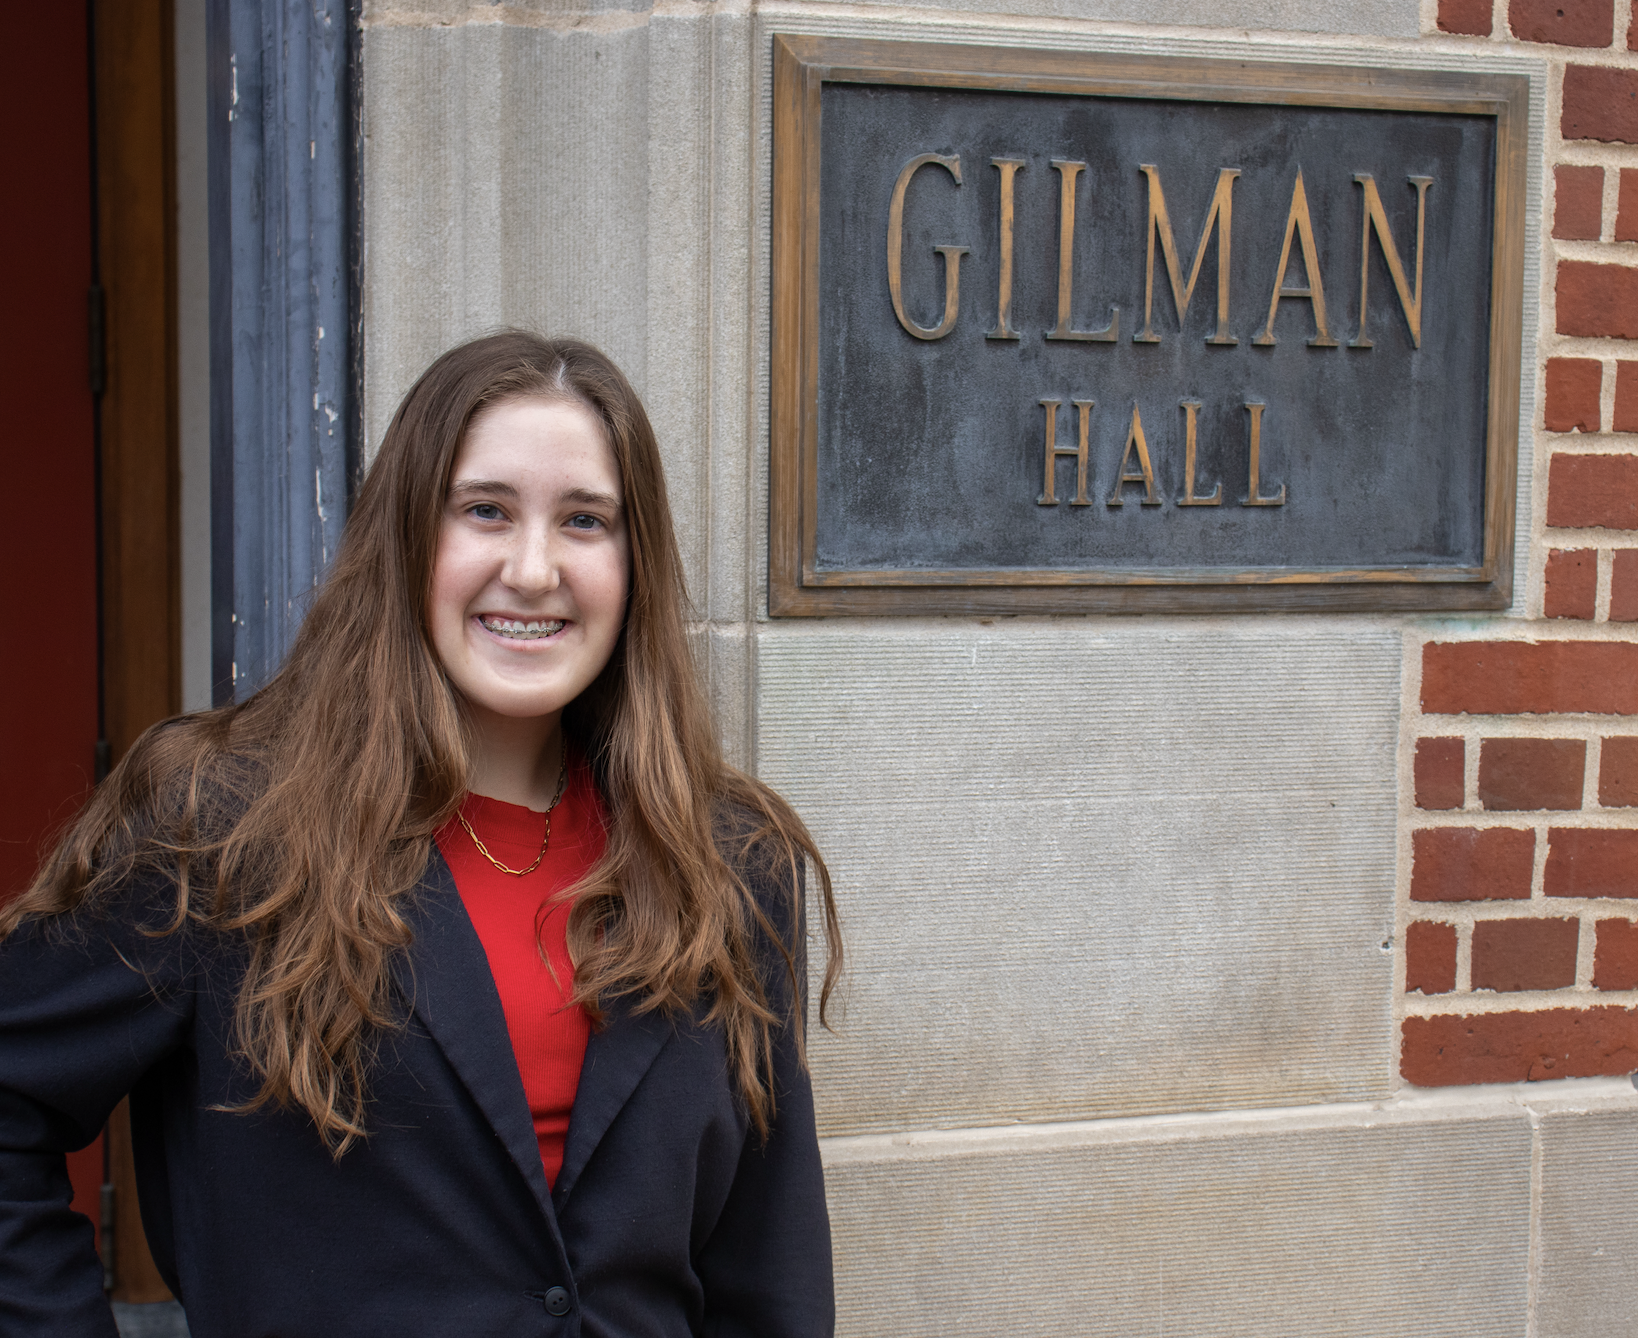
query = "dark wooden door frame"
{"x": 134, "y": 361}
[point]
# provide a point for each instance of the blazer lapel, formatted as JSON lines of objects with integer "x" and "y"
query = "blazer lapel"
{"x": 448, "y": 978}
{"x": 617, "y": 1057}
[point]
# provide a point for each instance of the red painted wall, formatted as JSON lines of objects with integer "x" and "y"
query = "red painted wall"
{"x": 48, "y": 664}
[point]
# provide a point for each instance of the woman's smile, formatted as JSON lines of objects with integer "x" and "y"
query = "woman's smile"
{"x": 519, "y": 629}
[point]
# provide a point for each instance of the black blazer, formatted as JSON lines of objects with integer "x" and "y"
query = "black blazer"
{"x": 669, "y": 1216}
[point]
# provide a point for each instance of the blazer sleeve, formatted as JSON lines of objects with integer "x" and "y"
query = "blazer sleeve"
{"x": 766, "y": 1268}
{"x": 88, "y": 1003}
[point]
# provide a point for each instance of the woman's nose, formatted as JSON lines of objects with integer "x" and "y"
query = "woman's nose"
{"x": 532, "y": 566}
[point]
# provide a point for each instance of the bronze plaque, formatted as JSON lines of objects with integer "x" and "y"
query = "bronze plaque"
{"x": 1058, "y": 332}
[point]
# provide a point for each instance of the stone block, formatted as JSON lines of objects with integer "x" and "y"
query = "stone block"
{"x": 1095, "y": 868}
{"x": 582, "y": 172}
{"x": 1587, "y": 1279}
{"x": 516, "y": 196}
{"x": 1376, "y": 1227}
{"x": 1383, "y": 18}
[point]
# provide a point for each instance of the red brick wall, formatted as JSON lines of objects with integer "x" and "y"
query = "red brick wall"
{"x": 1520, "y": 912}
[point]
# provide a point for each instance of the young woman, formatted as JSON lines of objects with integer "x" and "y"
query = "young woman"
{"x": 456, "y": 981}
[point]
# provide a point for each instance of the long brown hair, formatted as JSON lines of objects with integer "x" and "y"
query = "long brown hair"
{"x": 300, "y": 820}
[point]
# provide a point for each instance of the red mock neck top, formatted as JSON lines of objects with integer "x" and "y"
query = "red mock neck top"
{"x": 516, "y": 919}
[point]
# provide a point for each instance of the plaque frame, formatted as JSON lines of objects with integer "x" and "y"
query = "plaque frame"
{"x": 802, "y": 64}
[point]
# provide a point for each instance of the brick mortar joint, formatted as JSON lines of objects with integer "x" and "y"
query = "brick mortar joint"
{"x": 1591, "y": 443}
{"x": 1583, "y": 251}
{"x": 1605, "y": 153}
{"x": 1475, "y": 729}
{"x": 1531, "y": 631}
{"x": 1483, "y": 820}
{"x": 1480, "y": 1003}
{"x": 1466, "y": 914}
{"x": 1597, "y": 348}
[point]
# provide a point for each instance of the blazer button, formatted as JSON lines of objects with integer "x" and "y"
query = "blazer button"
{"x": 557, "y": 1301}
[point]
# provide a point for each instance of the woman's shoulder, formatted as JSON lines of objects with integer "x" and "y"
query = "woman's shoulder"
{"x": 756, "y": 837}
{"x": 148, "y": 828}
{"x": 201, "y": 760}
{"x": 756, "y": 842}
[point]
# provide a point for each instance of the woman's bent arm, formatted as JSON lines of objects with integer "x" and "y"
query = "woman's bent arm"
{"x": 88, "y": 1003}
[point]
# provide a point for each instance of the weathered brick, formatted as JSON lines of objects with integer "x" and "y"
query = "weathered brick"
{"x": 1588, "y": 23}
{"x": 1525, "y": 774}
{"x": 1624, "y": 585}
{"x": 1430, "y": 957}
{"x": 1572, "y": 583}
{"x": 1578, "y": 203}
{"x": 1600, "y": 103}
{"x": 1625, "y": 416}
{"x": 1573, "y": 388}
{"x": 1599, "y": 301}
{"x": 1593, "y": 490}
{"x": 1524, "y": 954}
{"x": 1618, "y": 773}
{"x": 1440, "y": 782}
{"x": 1626, "y": 204}
{"x": 1592, "y": 862}
{"x": 1470, "y": 864}
{"x": 1519, "y": 1046}
{"x": 1615, "y": 958}
{"x": 1529, "y": 677}
{"x": 1469, "y": 18}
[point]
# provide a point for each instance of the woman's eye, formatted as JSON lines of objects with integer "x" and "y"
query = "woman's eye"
{"x": 584, "y": 521}
{"x": 487, "y": 511}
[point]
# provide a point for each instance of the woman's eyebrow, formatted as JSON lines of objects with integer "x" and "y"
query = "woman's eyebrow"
{"x": 591, "y": 497}
{"x": 495, "y": 488}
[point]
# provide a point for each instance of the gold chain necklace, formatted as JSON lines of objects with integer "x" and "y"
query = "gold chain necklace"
{"x": 562, "y": 779}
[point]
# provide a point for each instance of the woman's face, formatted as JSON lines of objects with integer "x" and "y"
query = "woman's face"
{"x": 530, "y": 579}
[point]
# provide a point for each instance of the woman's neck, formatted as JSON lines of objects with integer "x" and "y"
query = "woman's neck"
{"x": 516, "y": 761}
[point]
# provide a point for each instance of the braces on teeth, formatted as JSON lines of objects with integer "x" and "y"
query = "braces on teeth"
{"x": 521, "y": 631}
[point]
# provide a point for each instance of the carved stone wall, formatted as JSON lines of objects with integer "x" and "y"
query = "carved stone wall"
{"x": 1131, "y": 902}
